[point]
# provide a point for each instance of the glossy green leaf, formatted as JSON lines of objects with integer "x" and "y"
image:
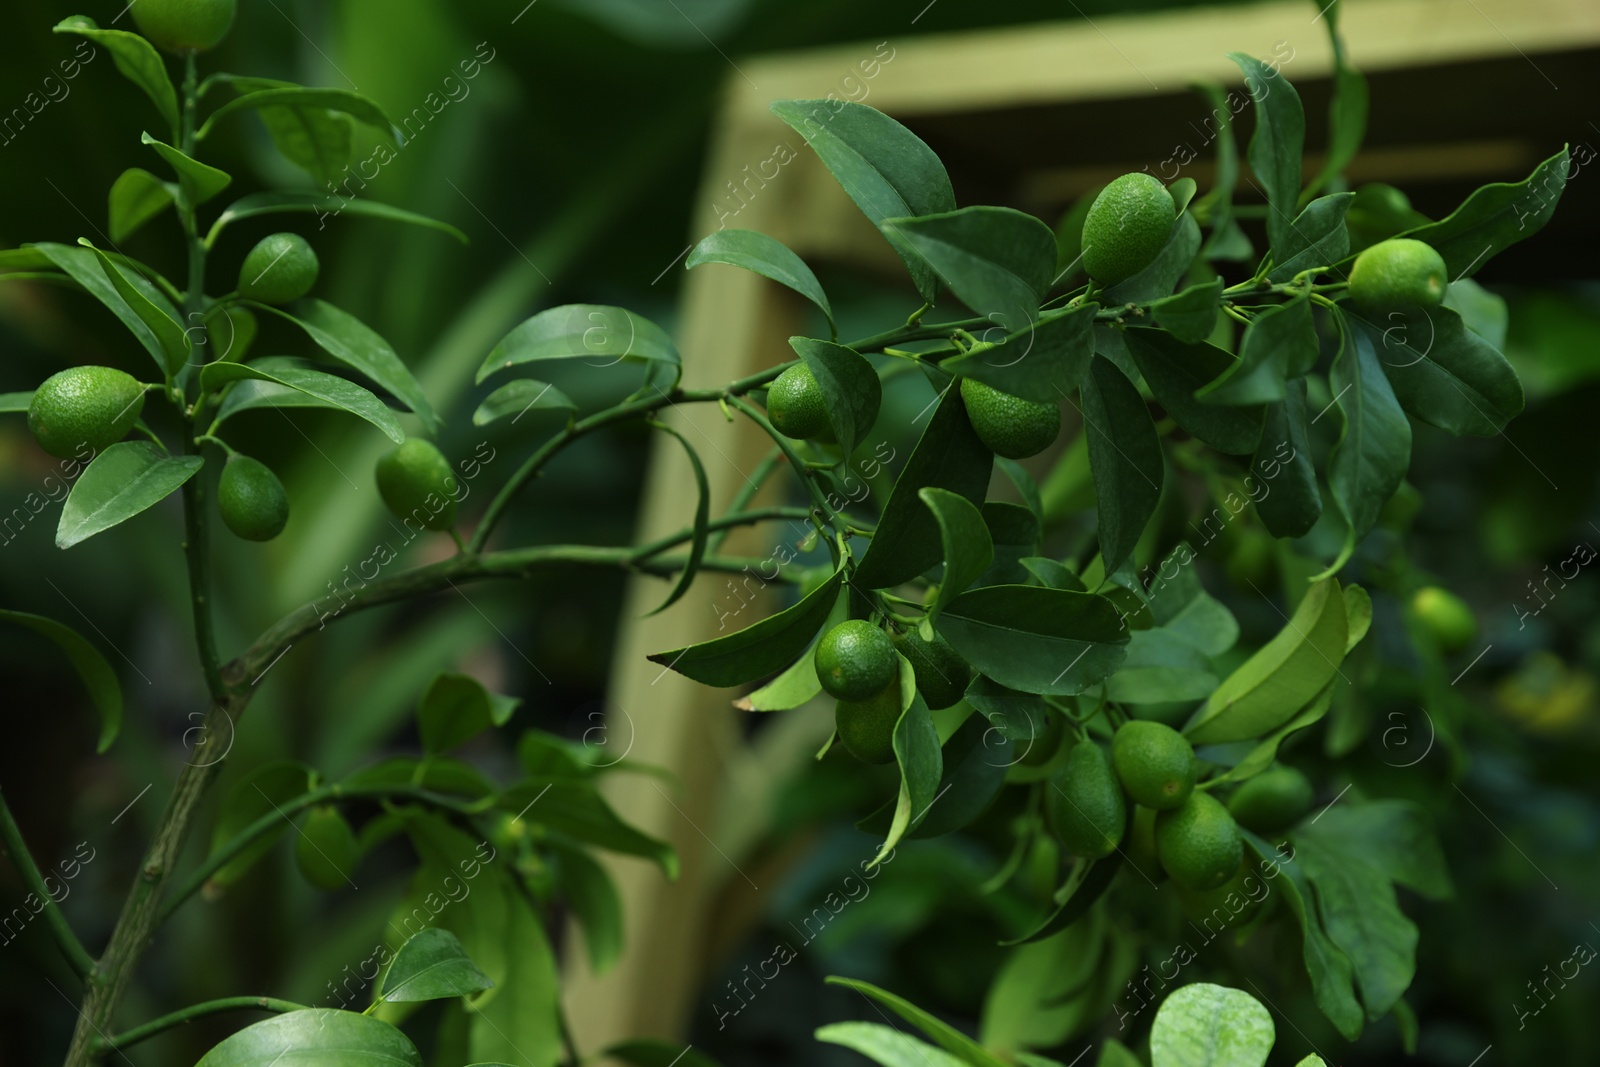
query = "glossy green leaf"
{"x": 974, "y": 764}
{"x": 1174, "y": 371}
{"x": 1205, "y": 1025}
{"x": 325, "y": 207}
{"x": 948, "y": 456}
{"x": 997, "y": 260}
{"x": 198, "y": 181}
{"x": 455, "y": 708}
{"x": 515, "y": 399}
{"x": 1445, "y": 374}
{"x": 92, "y": 668}
{"x": 260, "y": 793}
{"x": 600, "y": 335}
{"x": 1374, "y": 449}
{"x": 1124, "y": 457}
{"x": 356, "y": 345}
{"x": 1268, "y": 689}
{"x": 431, "y": 965}
{"x": 136, "y": 59}
{"x": 137, "y": 196}
{"x": 1036, "y": 640}
{"x": 1495, "y": 217}
{"x": 315, "y": 1037}
{"x": 886, "y": 1045}
{"x": 851, "y": 391}
{"x": 1053, "y": 574}
{"x": 1395, "y": 836}
{"x": 577, "y": 811}
{"x": 152, "y": 309}
{"x": 1161, "y": 667}
{"x": 122, "y": 481}
{"x": 766, "y": 256}
{"x": 592, "y": 895}
{"x": 945, "y": 1036}
{"x": 885, "y": 168}
{"x": 251, "y": 395}
{"x": 702, "y": 519}
{"x": 758, "y": 650}
{"x": 1285, "y": 480}
{"x": 1042, "y": 362}
{"x": 1279, "y": 344}
{"x": 968, "y": 547}
{"x": 920, "y": 762}
{"x": 84, "y": 267}
{"x": 1276, "y": 146}
{"x": 1164, "y": 272}
{"x": 261, "y": 94}
{"x": 1191, "y": 314}
{"x": 335, "y": 392}
{"x": 1261, "y": 757}
{"x": 1317, "y": 238}
{"x": 653, "y": 1052}
{"x": 1359, "y": 911}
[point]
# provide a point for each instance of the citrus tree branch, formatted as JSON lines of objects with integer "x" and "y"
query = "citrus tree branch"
{"x": 192, "y": 1012}
{"x": 11, "y": 835}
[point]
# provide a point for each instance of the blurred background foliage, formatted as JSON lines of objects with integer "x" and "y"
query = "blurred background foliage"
{"x": 574, "y": 162}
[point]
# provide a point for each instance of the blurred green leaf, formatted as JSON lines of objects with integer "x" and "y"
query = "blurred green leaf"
{"x": 136, "y": 58}
{"x": 322, "y": 205}
{"x": 137, "y": 197}
{"x": 886, "y": 1045}
{"x": 92, "y": 668}
{"x": 261, "y": 792}
{"x": 456, "y": 708}
{"x": 945, "y": 1036}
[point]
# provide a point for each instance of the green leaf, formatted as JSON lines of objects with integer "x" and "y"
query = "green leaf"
{"x": 335, "y": 392}
{"x": 1124, "y": 457}
{"x": 968, "y": 547}
{"x": 92, "y": 668}
{"x": 258, "y": 794}
{"x": 1361, "y": 915}
{"x": 766, "y": 256}
{"x": 1313, "y": 1060}
{"x": 455, "y": 708}
{"x": 152, "y": 309}
{"x": 1164, "y": 272}
{"x": 886, "y": 1045}
{"x": 1358, "y": 615}
{"x": 1046, "y": 641}
{"x": 920, "y": 760}
{"x": 592, "y": 895}
{"x": 1047, "y": 991}
{"x": 1395, "y": 836}
{"x": 575, "y": 810}
{"x": 1379, "y": 212}
{"x": 1266, "y": 690}
{"x": 262, "y": 94}
{"x": 1182, "y": 192}
{"x": 1180, "y": 605}
{"x": 83, "y": 265}
{"x": 799, "y": 683}
{"x": 948, "y": 456}
{"x": 1088, "y": 884}
{"x": 1317, "y": 238}
{"x": 137, "y": 60}
{"x": 1262, "y": 755}
{"x": 137, "y": 196}
{"x": 851, "y": 391}
{"x": 945, "y": 1036}
{"x": 885, "y": 168}
{"x": 1161, "y": 667}
{"x": 519, "y": 397}
{"x": 1115, "y": 1054}
{"x": 122, "y": 481}
{"x": 600, "y": 335}
{"x": 1042, "y": 362}
{"x": 198, "y": 181}
{"x": 1190, "y": 315}
{"x": 653, "y": 1052}
{"x": 431, "y": 965}
{"x": 247, "y": 207}
{"x": 1495, "y": 217}
{"x": 974, "y": 765}
{"x": 1347, "y": 111}
{"x": 1053, "y": 574}
{"x": 1204, "y": 1025}
{"x": 250, "y": 395}
{"x": 315, "y": 1037}
{"x": 702, "y": 520}
{"x": 438, "y": 773}
{"x": 1019, "y": 717}
{"x": 308, "y": 126}
{"x": 1175, "y": 370}
{"x": 1290, "y": 502}
{"x": 1374, "y": 449}
{"x": 1445, "y": 374}
{"x": 1279, "y": 344}
{"x": 356, "y": 345}
{"x": 764, "y": 648}
{"x": 1276, "y": 146}
{"x": 997, "y": 260}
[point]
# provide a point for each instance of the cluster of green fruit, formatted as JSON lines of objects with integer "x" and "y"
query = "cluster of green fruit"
{"x": 858, "y": 665}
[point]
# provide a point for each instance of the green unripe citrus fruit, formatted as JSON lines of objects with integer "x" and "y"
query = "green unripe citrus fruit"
{"x": 1446, "y": 616}
{"x": 1126, "y": 227}
{"x": 1085, "y": 804}
{"x": 416, "y": 482}
{"x": 251, "y": 499}
{"x": 182, "y": 26}
{"x": 1198, "y": 843}
{"x": 855, "y": 660}
{"x": 84, "y": 406}
{"x": 1009, "y": 425}
{"x": 326, "y": 850}
{"x": 280, "y": 268}
{"x": 1397, "y": 274}
{"x": 942, "y": 675}
{"x": 796, "y": 407}
{"x": 1155, "y": 763}
{"x": 866, "y": 727}
{"x": 1273, "y": 800}
{"x": 1233, "y": 903}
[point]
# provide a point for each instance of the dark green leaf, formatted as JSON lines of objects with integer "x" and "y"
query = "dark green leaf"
{"x": 600, "y": 335}
{"x": 84, "y": 267}
{"x": 250, "y": 395}
{"x": 92, "y": 668}
{"x": 1042, "y": 362}
{"x": 324, "y": 206}
{"x": 1316, "y": 238}
{"x": 1190, "y": 315}
{"x": 799, "y": 683}
{"x": 198, "y": 181}
{"x": 1445, "y": 374}
{"x": 1279, "y": 344}
{"x": 851, "y": 391}
{"x": 1394, "y": 836}
{"x": 518, "y": 398}
{"x": 1164, "y": 272}
{"x": 1289, "y": 503}
{"x": 1374, "y": 449}
{"x": 152, "y": 309}
{"x": 1276, "y": 146}
{"x": 137, "y": 196}
{"x": 308, "y": 126}
{"x": 1019, "y": 717}
{"x": 1038, "y": 640}
{"x": 1495, "y": 217}
{"x": 1014, "y": 530}
{"x": 431, "y": 965}
{"x": 1218, "y": 201}
{"x": 702, "y": 518}
{"x": 455, "y": 708}
{"x": 921, "y": 763}
{"x": 1175, "y": 371}
{"x": 997, "y": 260}
{"x": 948, "y": 456}
{"x": 441, "y": 774}
{"x": 766, "y": 256}
{"x": 652, "y": 1052}
{"x": 592, "y": 895}
{"x": 1124, "y": 457}
{"x": 758, "y": 650}
{"x": 315, "y": 1037}
{"x": 1089, "y": 883}
{"x": 137, "y": 60}
{"x": 336, "y": 392}
{"x": 1361, "y": 915}
{"x": 122, "y": 481}
{"x": 262, "y": 792}
{"x": 262, "y": 94}
{"x": 575, "y": 810}
{"x": 1379, "y": 212}
{"x": 1053, "y": 574}
{"x": 944, "y": 1035}
{"x": 1347, "y": 111}
{"x": 968, "y": 547}
{"x": 1027, "y": 488}
{"x": 975, "y": 762}
{"x": 885, "y": 168}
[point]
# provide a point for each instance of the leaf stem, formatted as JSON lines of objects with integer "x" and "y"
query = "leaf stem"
{"x": 71, "y": 948}
{"x": 192, "y": 1012}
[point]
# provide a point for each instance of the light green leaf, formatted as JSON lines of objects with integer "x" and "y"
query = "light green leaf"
{"x": 1358, "y": 615}
{"x": 262, "y": 93}
{"x": 592, "y": 895}
{"x": 137, "y": 60}
{"x": 92, "y": 668}
{"x": 1125, "y": 459}
{"x": 921, "y": 764}
{"x": 886, "y": 1045}
{"x": 1042, "y": 361}
{"x": 137, "y": 196}
{"x": 799, "y": 683}
{"x": 518, "y": 398}
{"x": 1204, "y": 1025}
{"x": 324, "y": 205}
{"x": 198, "y": 181}
{"x": 968, "y": 548}
{"x": 997, "y": 260}
{"x": 315, "y": 1037}
{"x": 334, "y": 391}
{"x": 600, "y": 335}
{"x": 122, "y": 481}
{"x": 257, "y": 795}
{"x": 1046, "y": 641}
{"x": 766, "y": 256}
{"x": 431, "y": 965}
{"x": 1262, "y": 755}
{"x": 945, "y": 1036}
